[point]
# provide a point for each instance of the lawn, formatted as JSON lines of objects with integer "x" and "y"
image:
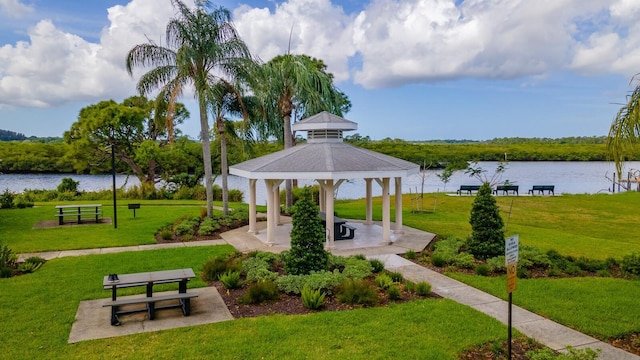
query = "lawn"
{"x": 595, "y": 226}
{"x": 38, "y": 310}
{"x": 16, "y": 225}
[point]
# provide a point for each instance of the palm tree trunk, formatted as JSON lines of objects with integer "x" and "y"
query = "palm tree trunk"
{"x": 288, "y": 143}
{"x": 206, "y": 155}
{"x": 223, "y": 167}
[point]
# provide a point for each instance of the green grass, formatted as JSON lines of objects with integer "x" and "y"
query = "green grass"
{"x": 38, "y": 314}
{"x": 595, "y": 226}
{"x": 16, "y": 225}
{"x": 601, "y": 307}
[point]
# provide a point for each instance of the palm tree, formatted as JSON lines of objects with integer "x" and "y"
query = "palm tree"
{"x": 299, "y": 86}
{"x": 624, "y": 133}
{"x": 200, "y": 45}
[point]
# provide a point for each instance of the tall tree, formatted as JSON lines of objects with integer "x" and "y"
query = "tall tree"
{"x": 297, "y": 86}
{"x": 133, "y": 129}
{"x": 624, "y": 133}
{"x": 202, "y": 49}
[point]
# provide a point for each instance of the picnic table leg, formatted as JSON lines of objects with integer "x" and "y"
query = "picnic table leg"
{"x": 149, "y": 289}
{"x": 182, "y": 287}
{"x": 79, "y": 216}
{"x": 60, "y": 218}
{"x": 186, "y": 306}
{"x": 115, "y": 321}
{"x": 96, "y": 214}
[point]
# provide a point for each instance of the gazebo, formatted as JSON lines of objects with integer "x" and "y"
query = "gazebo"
{"x": 329, "y": 161}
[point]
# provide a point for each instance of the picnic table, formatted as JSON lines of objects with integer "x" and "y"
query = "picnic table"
{"x": 78, "y": 211}
{"x": 341, "y": 230}
{"x": 114, "y": 282}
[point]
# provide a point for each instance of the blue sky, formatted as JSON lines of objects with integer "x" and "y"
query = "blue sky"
{"x": 413, "y": 69}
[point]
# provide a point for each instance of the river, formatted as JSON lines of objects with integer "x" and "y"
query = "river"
{"x": 568, "y": 177}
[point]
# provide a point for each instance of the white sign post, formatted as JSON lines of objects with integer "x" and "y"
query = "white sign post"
{"x": 511, "y": 247}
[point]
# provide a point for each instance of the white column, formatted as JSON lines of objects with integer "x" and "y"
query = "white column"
{"x": 252, "y": 206}
{"x": 398, "y": 229}
{"x": 321, "y": 199}
{"x": 276, "y": 200}
{"x": 329, "y": 213}
{"x": 369, "y": 205}
{"x": 386, "y": 212}
{"x": 270, "y": 212}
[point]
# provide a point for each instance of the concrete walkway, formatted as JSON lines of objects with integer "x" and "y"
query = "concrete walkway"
{"x": 545, "y": 331}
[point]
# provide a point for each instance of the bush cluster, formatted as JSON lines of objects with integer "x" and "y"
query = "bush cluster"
{"x": 9, "y": 265}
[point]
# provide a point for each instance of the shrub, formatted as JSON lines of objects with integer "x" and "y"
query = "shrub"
{"x": 208, "y": 226}
{"x": 218, "y": 265}
{"x": 166, "y": 234}
{"x": 396, "y": 276}
{"x": 27, "y": 267}
{"x": 423, "y": 288}
{"x": 394, "y": 293}
{"x": 487, "y": 234}
{"x": 438, "y": 260}
{"x": 261, "y": 274}
{"x": 383, "y": 281}
{"x": 523, "y": 273}
{"x": 571, "y": 354}
{"x": 337, "y": 262}
{"x": 187, "y": 226}
{"x": 357, "y": 268}
{"x": 590, "y": 265}
{"x": 376, "y": 265}
{"x": 66, "y": 196}
{"x": 312, "y": 299}
{"x": 482, "y": 270}
{"x": 497, "y": 264}
{"x": 324, "y": 280}
{"x": 21, "y": 202}
{"x": 357, "y": 292}
{"x": 410, "y": 286}
{"x": 307, "y": 252}
{"x": 35, "y": 260}
{"x": 7, "y": 257}
{"x": 68, "y": 185}
{"x": 230, "y": 279}
{"x": 6, "y": 199}
{"x": 630, "y": 264}
{"x": 464, "y": 260}
{"x": 530, "y": 257}
{"x": 260, "y": 292}
{"x": 410, "y": 254}
{"x": 448, "y": 249}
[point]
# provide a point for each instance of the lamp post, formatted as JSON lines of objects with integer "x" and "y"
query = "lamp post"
{"x": 113, "y": 174}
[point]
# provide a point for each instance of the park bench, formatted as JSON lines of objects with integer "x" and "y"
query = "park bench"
{"x": 149, "y": 279}
{"x": 505, "y": 189}
{"x": 94, "y": 211}
{"x": 468, "y": 189}
{"x": 541, "y": 189}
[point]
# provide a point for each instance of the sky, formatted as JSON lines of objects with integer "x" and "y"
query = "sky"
{"x": 413, "y": 69}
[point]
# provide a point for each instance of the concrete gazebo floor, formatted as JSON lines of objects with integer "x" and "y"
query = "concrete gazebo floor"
{"x": 367, "y": 240}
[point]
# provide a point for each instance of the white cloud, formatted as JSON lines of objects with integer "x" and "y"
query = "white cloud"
{"x": 316, "y": 27}
{"x": 55, "y": 67}
{"x": 14, "y": 8}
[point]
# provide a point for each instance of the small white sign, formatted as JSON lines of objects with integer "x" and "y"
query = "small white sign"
{"x": 511, "y": 250}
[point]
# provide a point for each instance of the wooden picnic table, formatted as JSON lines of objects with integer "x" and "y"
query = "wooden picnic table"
{"x": 148, "y": 280}
{"x": 79, "y": 210}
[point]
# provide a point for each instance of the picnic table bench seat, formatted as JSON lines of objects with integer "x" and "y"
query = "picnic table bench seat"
{"x": 541, "y": 189}
{"x": 150, "y": 302}
{"x": 468, "y": 189}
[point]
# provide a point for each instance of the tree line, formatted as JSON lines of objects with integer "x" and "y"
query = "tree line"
{"x": 184, "y": 156}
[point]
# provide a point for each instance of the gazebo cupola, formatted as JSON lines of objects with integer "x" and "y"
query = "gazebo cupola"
{"x": 324, "y": 127}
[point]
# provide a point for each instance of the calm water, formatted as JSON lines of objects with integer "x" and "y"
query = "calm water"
{"x": 568, "y": 177}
